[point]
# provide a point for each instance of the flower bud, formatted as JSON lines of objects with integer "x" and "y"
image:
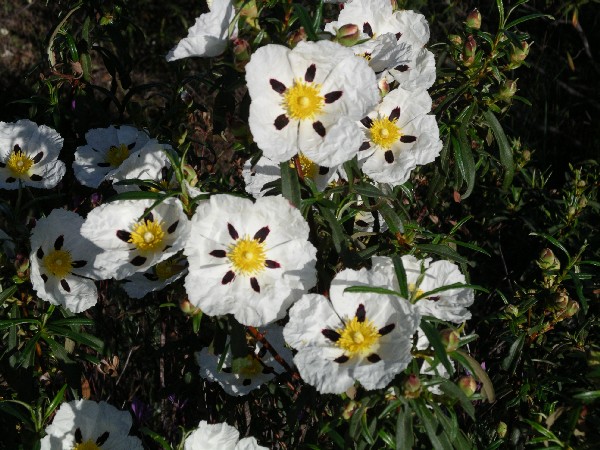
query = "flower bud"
{"x": 455, "y": 39}
{"x": 188, "y": 309}
{"x": 297, "y": 36}
{"x": 22, "y": 265}
{"x": 572, "y": 309}
{"x": 241, "y": 53}
{"x": 512, "y": 310}
{"x": 502, "y": 430}
{"x": 508, "y": 90}
{"x": 349, "y": 409}
{"x": 518, "y": 55}
{"x": 582, "y": 203}
{"x": 468, "y": 385}
{"x": 547, "y": 260}
{"x": 469, "y": 51}
{"x": 474, "y": 19}
{"x": 384, "y": 87}
{"x": 347, "y": 35}
{"x": 412, "y": 386}
{"x": 450, "y": 339}
{"x": 561, "y": 299}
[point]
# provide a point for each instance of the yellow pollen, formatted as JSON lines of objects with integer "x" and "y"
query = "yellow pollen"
{"x": 147, "y": 235}
{"x": 414, "y": 292}
{"x": 303, "y": 100}
{"x": 87, "y": 445}
{"x": 358, "y": 338}
{"x": 58, "y": 262}
{"x": 116, "y": 155}
{"x": 385, "y": 132}
{"x": 247, "y": 256}
{"x": 19, "y": 163}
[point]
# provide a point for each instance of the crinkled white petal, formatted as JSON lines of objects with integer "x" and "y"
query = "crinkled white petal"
{"x": 91, "y": 166}
{"x": 212, "y": 437}
{"x": 120, "y": 258}
{"x": 255, "y": 299}
{"x": 375, "y": 13}
{"x": 208, "y": 36}
{"x": 418, "y": 74}
{"x": 145, "y": 164}
{"x": 93, "y": 420}
{"x": 139, "y": 284}
{"x": 384, "y": 52}
{"x": 38, "y": 142}
{"x": 249, "y": 443}
{"x": 413, "y": 26}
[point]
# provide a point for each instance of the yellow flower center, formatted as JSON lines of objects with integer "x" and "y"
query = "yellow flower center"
{"x": 303, "y": 100}
{"x": 358, "y": 338}
{"x": 87, "y": 445}
{"x": 384, "y": 132}
{"x": 147, "y": 235}
{"x": 116, "y": 155}
{"x": 309, "y": 168}
{"x": 366, "y": 56}
{"x": 247, "y": 256}
{"x": 19, "y": 163}
{"x": 414, "y": 291}
{"x": 167, "y": 269}
{"x": 58, "y": 262}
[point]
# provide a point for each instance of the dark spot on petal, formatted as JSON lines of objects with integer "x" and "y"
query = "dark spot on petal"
{"x": 332, "y": 335}
{"x": 254, "y": 284}
{"x": 173, "y": 227}
{"x": 373, "y": 358}
{"x": 366, "y": 121}
{"x": 150, "y": 276}
{"x": 401, "y": 68}
{"x": 270, "y": 264}
{"x": 17, "y": 148}
{"x": 103, "y": 164}
{"x": 37, "y": 158}
{"x": 361, "y": 223}
{"x": 361, "y": 313}
{"x": 138, "y": 261}
{"x": 262, "y": 234}
{"x": 247, "y": 382}
{"x": 40, "y": 253}
{"x": 124, "y": 235}
{"x": 281, "y": 121}
{"x": 149, "y": 217}
{"x": 309, "y": 76}
{"x": 78, "y": 264}
{"x": 262, "y": 352}
{"x": 78, "y": 436}
{"x": 102, "y": 438}
{"x": 58, "y": 243}
{"x": 167, "y": 247}
{"x": 395, "y": 114}
{"x": 333, "y": 96}
{"x": 2, "y": 165}
{"x": 267, "y": 370}
{"x": 36, "y": 177}
{"x": 323, "y": 170}
{"x": 398, "y": 35}
{"x": 408, "y": 139}
{"x": 226, "y": 369}
{"x": 365, "y": 146}
{"x": 232, "y": 231}
{"x": 389, "y": 156}
{"x": 218, "y": 253}
{"x": 277, "y": 86}
{"x": 44, "y": 277}
{"x": 228, "y": 278}
{"x": 65, "y": 285}
{"x": 341, "y": 359}
{"x": 130, "y": 146}
{"x": 367, "y": 29}
{"x": 319, "y": 128}
{"x": 387, "y": 329}
{"x": 11, "y": 180}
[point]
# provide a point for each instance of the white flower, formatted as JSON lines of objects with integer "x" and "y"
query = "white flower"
{"x": 118, "y": 153}
{"x": 132, "y": 245}
{"x": 307, "y": 100}
{"x": 87, "y": 425}
{"x": 60, "y": 258}
{"x": 398, "y": 136}
{"x": 156, "y": 277}
{"x": 208, "y": 36}
{"x": 149, "y": 163}
{"x": 28, "y": 155}
{"x": 261, "y": 368}
{"x": 266, "y": 171}
{"x": 219, "y": 436}
{"x": 252, "y": 260}
{"x": 363, "y": 337}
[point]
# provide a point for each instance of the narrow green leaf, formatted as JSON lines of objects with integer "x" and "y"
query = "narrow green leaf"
{"x": 57, "y": 350}
{"x": 433, "y": 336}
{"x": 372, "y": 289}
{"x": 520, "y": 20}
{"x": 7, "y": 293}
{"x": 73, "y": 321}
{"x": 157, "y": 438}
{"x": 290, "y": 185}
{"x": 500, "y": 6}
{"x": 506, "y": 156}
{"x": 452, "y": 390}
{"x": 432, "y": 426}
{"x": 82, "y": 338}
{"x": 337, "y": 233}
{"x": 404, "y": 428}
{"x": 443, "y": 250}
{"x": 55, "y": 402}
{"x": 554, "y": 242}
{"x": 448, "y": 287}
{"x": 392, "y": 219}
{"x": 4, "y": 324}
{"x": 587, "y": 396}
{"x": 401, "y": 276}
{"x": 579, "y": 290}
{"x": 306, "y": 22}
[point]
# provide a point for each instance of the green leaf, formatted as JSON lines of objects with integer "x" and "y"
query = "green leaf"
{"x": 337, "y": 233}
{"x": 82, "y": 338}
{"x": 73, "y": 321}
{"x": 55, "y": 402}
{"x": 290, "y": 185}
{"x": 392, "y": 219}
{"x": 7, "y": 293}
{"x": 4, "y": 324}
{"x": 306, "y": 22}
{"x": 57, "y": 350}
{"x": 549, "y": 435}
{"x": 506, "y": 156}
{"x": 587, "y": 396}
{"x": 438, "y": 439}
{"x": 157, "y": 438}
{"x": 443, "y": 250}
{"x": 470, "y": 363}
{"x": 404, "y": 427}
{"x": 372, "y": 289}
{"x": 452, "y": 390}
{"x": 520, "y": 20}
{"x": 463, "y": 152}
{"x": 500, "y": 6}
{"x": 452, "y": 286}
{"x": 554, "y": 242}
{"x": 401, "y": 276}
{"x": 433, "y": 336}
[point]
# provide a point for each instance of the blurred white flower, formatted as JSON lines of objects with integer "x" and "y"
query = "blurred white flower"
{"x": 219, "y": 436}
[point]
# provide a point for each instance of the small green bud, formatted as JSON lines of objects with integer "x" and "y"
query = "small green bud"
{"x": 512, "y": 310}
{"x": 412, "y": 386}
{"x": 547, "y": 260}
{"x": 349, "y": 409}
{"x": 572, "y": 309}
{"x": 384, "y": 87}
{"x": 561, "y": 299}
{"x": 502, "y": 429}
{"x": 469, "y": 50}
{"x": 508, "y": 90}
{"x": 347, "y": 35}
{"x": 450, "y": 339}
{"x": 582, "y": 203}
{"x": 519, "y": 55}
{"x": 297, "y": 36}
{"x": 455, "y": 39}
{"x": 241, "y": 53}
{"x": 474, "y": 19}
{"x": 468, "y": 385}
{"x": 188, "y": 309}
